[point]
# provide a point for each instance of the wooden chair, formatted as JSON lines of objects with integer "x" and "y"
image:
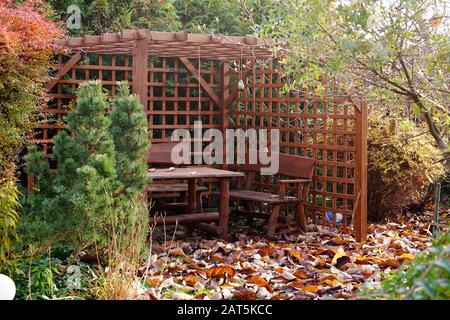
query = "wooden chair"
{"x": 298, "y": 172}
{"x": 160, "y": 156}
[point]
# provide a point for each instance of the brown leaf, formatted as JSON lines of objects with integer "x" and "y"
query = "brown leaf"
{"x": 341, "y": 261}
{"x": 364, "y": 260}
{"x": 389, "y": 263}
{"x": 308, "y": 288}
{"x": 406, "y": 257}
{"x": 153, "y": 282}
{"x": 191, "y": 280}
{"x": 247, "y": 270}
{"x": 217, "y": 258}
{"x": 319, "y": 262}
{"x": 260, "y": 281}
{"x": 301, "y": 274}
{"x": 280, "y": 296}
{"x": 244, "y": 295}
{"x": 297, "y": 254}
{"x": 220, "y": 272}
{"x": 327, "y": 252}
{"x": 336, "y": 241}
{"x": 177, "y": 252}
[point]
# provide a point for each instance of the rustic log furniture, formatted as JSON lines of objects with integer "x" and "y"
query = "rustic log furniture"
{"x": 192, "y": 174}
{"x": 298, "y": 172}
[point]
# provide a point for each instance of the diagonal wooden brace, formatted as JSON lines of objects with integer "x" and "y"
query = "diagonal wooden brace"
{"x": 61, "y": 72}
{"x": 190, "y": 68}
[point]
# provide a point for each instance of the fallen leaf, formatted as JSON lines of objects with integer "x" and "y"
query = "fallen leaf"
{"x": 260, "y": 281}
{"x": 220, "y": 272}
{"x": 297, "y": 254}
{"x": 177, "y": 252}
{"x": 191, "y": 280}
{"x": 406, "y": 257}
{"x": 339, "y": 254}
{"x": 244, "y": 295}
{"x": 301, "y": 274}
{"x": 389, "y": 263}
{"x": 341, "y": 261}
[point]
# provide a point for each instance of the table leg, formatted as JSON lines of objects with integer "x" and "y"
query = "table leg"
{"x": 224, "y": 207}
{"x": 192, "y": 195}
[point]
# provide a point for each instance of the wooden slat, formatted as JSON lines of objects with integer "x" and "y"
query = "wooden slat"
{"x": 61, "y": 72}
{"x": 205, "y": 86}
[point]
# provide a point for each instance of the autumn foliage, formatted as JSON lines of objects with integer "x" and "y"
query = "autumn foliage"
{"x": 403, "y": 163}
{"x": 26, "y": 33}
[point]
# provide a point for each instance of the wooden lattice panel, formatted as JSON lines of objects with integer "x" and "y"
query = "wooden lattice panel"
{"x": 175, "y": 100}
{"x": 319, "y": 128}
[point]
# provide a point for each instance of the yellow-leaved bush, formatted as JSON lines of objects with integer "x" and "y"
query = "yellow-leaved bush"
{"x": 26, "y": 34}
{"x": 402, "y": 163}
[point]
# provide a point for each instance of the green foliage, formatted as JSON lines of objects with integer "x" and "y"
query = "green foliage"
{"x": 129, "y": 132}
{"x": 426, "y": 278}
{"x": 42, "y": 277}
{"x": 230, "y": 17}
{"x": 25, "y": 40}
{"x": 8, "y": 216}
{"x": 401, "y": 162}
{"x": 396, "y": 53}
{"x": 105, "y": 16}
{"x": 96, "y": 180}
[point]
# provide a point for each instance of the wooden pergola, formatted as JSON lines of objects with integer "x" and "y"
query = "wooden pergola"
{"x": 171, "y": 44}
{"x": 167, "y": 71}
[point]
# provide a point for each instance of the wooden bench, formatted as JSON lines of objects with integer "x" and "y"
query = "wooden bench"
{"x": 292, "y": 189}
{"x": 160, "y": 156}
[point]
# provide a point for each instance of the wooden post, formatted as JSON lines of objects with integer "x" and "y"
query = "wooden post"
{"x": 224, "y": 104}
{"x": 360, "y": 210}
{"x": 140, "y": 69}
{"x": 224, "y": 207}
{"x": 192, "y": 195}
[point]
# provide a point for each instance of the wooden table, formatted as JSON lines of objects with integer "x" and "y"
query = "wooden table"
{"x": 192, "y": 174}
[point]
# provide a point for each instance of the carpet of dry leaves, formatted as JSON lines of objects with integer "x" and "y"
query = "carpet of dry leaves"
{"x": 326, "y": 263}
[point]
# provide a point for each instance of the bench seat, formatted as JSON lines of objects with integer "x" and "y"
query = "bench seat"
{"x": 262, "y": 197}
{"x": 172, "y": 187}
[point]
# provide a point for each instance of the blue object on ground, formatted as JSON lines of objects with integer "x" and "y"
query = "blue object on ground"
{"x": 329, "y": 216}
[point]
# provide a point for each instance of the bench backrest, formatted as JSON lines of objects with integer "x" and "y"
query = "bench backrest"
{"x": 296, "y": 166}
{"x": 160, "y": 153}
{"x": 289, "y": 165}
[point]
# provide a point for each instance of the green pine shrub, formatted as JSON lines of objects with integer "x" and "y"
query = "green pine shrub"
{"x": 402, "y": 163}
{"x": 101, "y": 172}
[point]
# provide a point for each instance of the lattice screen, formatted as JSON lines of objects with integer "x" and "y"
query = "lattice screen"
{"x": 172, "y": 94}
{"x": 327, "y": 129}
{"x": 173, "y": 97}
{"x": 319, "y": 128}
